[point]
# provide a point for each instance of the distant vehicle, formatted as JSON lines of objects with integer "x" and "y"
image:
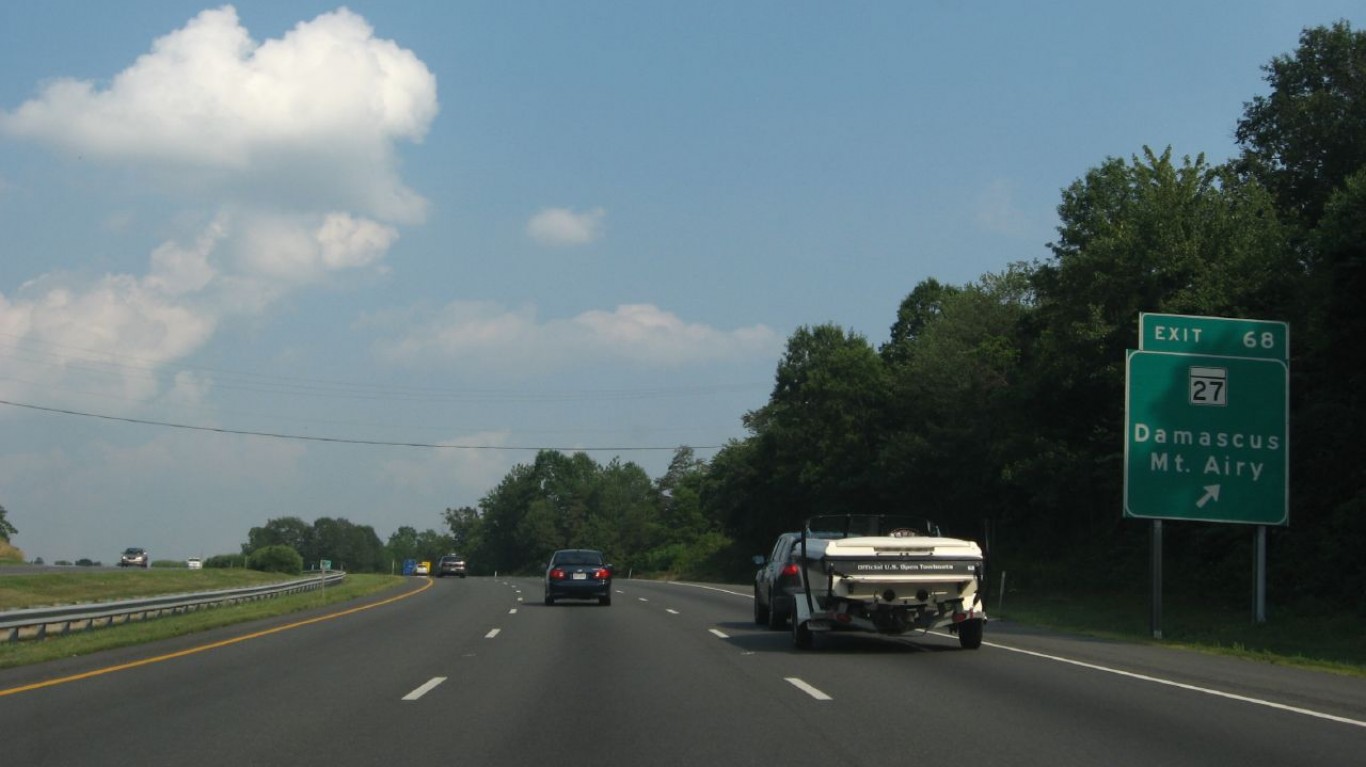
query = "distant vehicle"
{"x": 135, "y": 557}
{"x": 409, "y": 566}
{"x": 776, "y": 581}
{"x": 423, "y": 568}
{"x": 578, "y": 574}
{"x": 194, "y": 563}
{"x": 451, "y": 564}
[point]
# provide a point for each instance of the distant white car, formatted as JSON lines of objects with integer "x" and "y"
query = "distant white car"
{"x": 194, "y": 563}
{"x": 423, "y": 568}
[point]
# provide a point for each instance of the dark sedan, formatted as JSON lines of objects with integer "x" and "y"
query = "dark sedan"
{"x": 578, "y": 574}
{"x": 776, "y": 581}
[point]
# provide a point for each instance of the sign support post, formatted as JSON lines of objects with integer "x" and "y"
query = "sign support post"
{"x": 1259, "y": 577}
{"x": 1207, "y": 433}
{"x": 1155, "y": 623}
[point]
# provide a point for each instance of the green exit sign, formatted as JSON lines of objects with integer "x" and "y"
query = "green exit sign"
{"x": 1183, "y": 334}
{"x": 1206, "y": 438}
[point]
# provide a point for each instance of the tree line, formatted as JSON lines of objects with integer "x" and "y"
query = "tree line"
{"x": 996, "y": 407}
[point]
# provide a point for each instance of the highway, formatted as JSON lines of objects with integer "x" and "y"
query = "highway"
{"x": 478, "y": 671}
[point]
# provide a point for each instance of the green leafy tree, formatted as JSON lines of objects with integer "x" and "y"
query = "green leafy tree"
{"x": 6, "y": 529}
{"x": 686, "y": 539}
{"x": 923, "y": 306}
{"x": 283, "y": 531}
{"x": 954, "y": 417}
{"x": 1149, "y": 235}
{"x": 536, "y": 509}
{"x": 465, "y": 525}
{"x": 737, "y": 492}
{"x": 433, "y": 545}
{"x": 680, "y": 490}
{"x": 356, "y": 548}
{"x": 817, "y": 439}
{"x": 1309, "y": 135}
{"x": 1339, "y": 322}
{"x": 403, "y": 543}
{"x": 276, "y": 559}
{"x": 623, "y": 519}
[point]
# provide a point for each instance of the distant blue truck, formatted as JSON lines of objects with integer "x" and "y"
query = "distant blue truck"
{"x": 409, "y": 566}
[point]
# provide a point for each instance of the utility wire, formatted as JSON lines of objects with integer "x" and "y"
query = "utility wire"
{"x": 341, "y": 440}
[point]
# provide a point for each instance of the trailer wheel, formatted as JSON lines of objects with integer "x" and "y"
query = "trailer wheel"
{"x": 801, "y": 634}
{"x": 970, "y": 634}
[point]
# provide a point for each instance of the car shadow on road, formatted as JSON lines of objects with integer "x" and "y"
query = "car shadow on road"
{"x": 751, "y": 637}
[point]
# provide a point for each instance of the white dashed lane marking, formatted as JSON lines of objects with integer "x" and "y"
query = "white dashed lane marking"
{"x": 424, "y": 689}
{"x": 808, "y": 689}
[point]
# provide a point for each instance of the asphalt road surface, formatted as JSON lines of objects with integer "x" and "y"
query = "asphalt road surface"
{"x": 478, "y": 671}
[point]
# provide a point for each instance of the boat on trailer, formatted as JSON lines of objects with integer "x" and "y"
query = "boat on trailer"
{"x": 886, "y": 574}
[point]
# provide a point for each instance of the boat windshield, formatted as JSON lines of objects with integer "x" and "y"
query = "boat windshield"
{"x": 834, "y": 526}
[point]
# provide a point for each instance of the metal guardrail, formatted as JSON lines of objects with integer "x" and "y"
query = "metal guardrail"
{"x": 34, "y": 622}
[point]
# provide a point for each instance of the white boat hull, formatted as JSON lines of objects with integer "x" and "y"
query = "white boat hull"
{"x": 892, "y": 584}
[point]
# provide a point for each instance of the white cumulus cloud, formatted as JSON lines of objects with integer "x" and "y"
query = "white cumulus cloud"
{"x": 313, "y": 114}
{"x": 225, "y": 128}
{"x": 490, "y": 336}
{"x": 303, "y": 248}
{"x": 561, "y": 226}
{"x": 111, "y": 335}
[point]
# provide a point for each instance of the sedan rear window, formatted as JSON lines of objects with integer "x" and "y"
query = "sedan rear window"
{"x": 578, "y": 558}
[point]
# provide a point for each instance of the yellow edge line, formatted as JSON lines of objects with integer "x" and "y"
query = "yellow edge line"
{"x": 207, "y": 647}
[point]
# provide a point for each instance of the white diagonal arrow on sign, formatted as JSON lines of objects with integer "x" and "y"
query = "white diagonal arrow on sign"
{"x": 1211, "y": 494}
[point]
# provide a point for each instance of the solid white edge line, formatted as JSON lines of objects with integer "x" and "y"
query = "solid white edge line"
{"x": 719, "y": 633}
{"x": 808, "y": 689}
{"x": 492, "y": 633}
{"x": 1155, "y": 680}
{"x": 424, "y": 689}
{"x": 1184, "y": 686}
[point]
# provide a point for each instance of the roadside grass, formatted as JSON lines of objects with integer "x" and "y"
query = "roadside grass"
{"x": 1308, "y": 636}
{"x": 60, "y": 588}
{"x": 50, "y": 589}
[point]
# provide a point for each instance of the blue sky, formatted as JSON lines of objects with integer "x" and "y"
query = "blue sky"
{"x": 482, "y": 228}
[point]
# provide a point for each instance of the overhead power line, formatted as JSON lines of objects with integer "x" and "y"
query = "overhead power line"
{"x": 343, "y": 440}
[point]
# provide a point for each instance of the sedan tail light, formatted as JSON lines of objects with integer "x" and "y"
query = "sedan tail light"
{"x": 602, "y": 574}
{"x": 557, "y": 574}
{"x": 789, "y": 570}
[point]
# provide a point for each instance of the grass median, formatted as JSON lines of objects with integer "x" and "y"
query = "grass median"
{"x": 51, "y": 589}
